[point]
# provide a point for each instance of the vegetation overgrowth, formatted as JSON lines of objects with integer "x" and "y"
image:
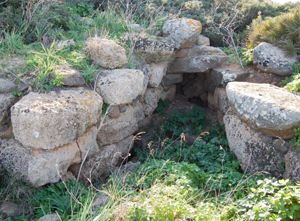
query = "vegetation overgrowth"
{"x": 292, "y": 83}
{"x": 175, "y": 181}
{"x": 282, "y": 30}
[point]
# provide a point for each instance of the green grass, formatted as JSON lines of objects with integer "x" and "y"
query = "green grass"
{"x": 12, "y": 43}
{"x": 242, "y": 56}
{"x": 177, "y": 181}
{"x": 292, "y": 83}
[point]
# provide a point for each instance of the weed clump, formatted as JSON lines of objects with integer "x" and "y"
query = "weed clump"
{"x": 282, "y": 30}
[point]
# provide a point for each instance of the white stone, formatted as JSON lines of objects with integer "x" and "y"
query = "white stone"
{"x": 47, "y": 121}
{"x": 106, "y": 53}
{"x": 120, "y": 86}
{"x": 183, "y": 32}
{"x": 271, "y": 109}
{"x": 198, "y": 59}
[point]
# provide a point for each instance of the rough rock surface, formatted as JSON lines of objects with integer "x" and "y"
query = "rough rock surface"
{"x": 292, "y": 164}
{"x": 202, "y": 40}
{"x": 107, "y": 53}
{"x": 268, "y": 108}
{"x": 218, "y": 101}
{"x": 87, "y": 143}
{"x": 156, "y": 73}
{"x": 151, "y": 99}
{"x": 47, "y": 121}
{"x": 6, "y": 86}
{"x": 171, "y": 79}
{"x": 270, "y": 58}
{"x": 154, "y": 49}
{"x": 115, "y": 129}
{"x": 120, "y": 86}
{"x": 221, "y": 76}
{"x": 71, "y": 77}
{"x": 38, "y": 167}
{"x": 12, "y": 210}
{"x": 183, "y": 32}
{"x": 6, "y": 101}
{"x": 197, "y": 60}
{"x": 168, "y": 93}
{"x": 107, "y": 159}
{"x": 256, "y": 152}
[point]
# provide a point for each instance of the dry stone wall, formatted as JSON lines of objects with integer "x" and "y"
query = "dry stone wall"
{"x": 90, "y": 132}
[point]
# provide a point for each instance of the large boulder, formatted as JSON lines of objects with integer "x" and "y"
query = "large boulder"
{"x": 156, "y": 73}
{"x": 183, "y": 32}
{"x": 106, "y": 53}
{"x": 47, "y": 121}
{"x": 154, "y": 49}
{"x": 270, "y": 58}
{"x": 221, "y": 76}
{"x": 120, "y": 86}
{"x": 198, "y": 59}
{"x": 268, "y": 108}
{"x": 114, "y": 130}
{"x": 38, "y": 167}
{"x": 255, "y": 151}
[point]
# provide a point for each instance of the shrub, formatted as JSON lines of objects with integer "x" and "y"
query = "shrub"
{"x": 190, "y": 122}
{"x": 282, "y": 30}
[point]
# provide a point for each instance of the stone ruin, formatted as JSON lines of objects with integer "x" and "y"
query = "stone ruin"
{"x": 88, "y": 133}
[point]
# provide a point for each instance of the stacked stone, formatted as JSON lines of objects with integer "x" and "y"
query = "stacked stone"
{"x": 216, "y": 82}
{"x": 259, "y": 120}
{"x": 68, "y": 130}
{"x": 194, "y": 58}
{"x": 51, "y": 132}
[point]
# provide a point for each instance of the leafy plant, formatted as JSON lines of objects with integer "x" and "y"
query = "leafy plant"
{"x": 271, "y": 200}
{"x": 190, "y": 122}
